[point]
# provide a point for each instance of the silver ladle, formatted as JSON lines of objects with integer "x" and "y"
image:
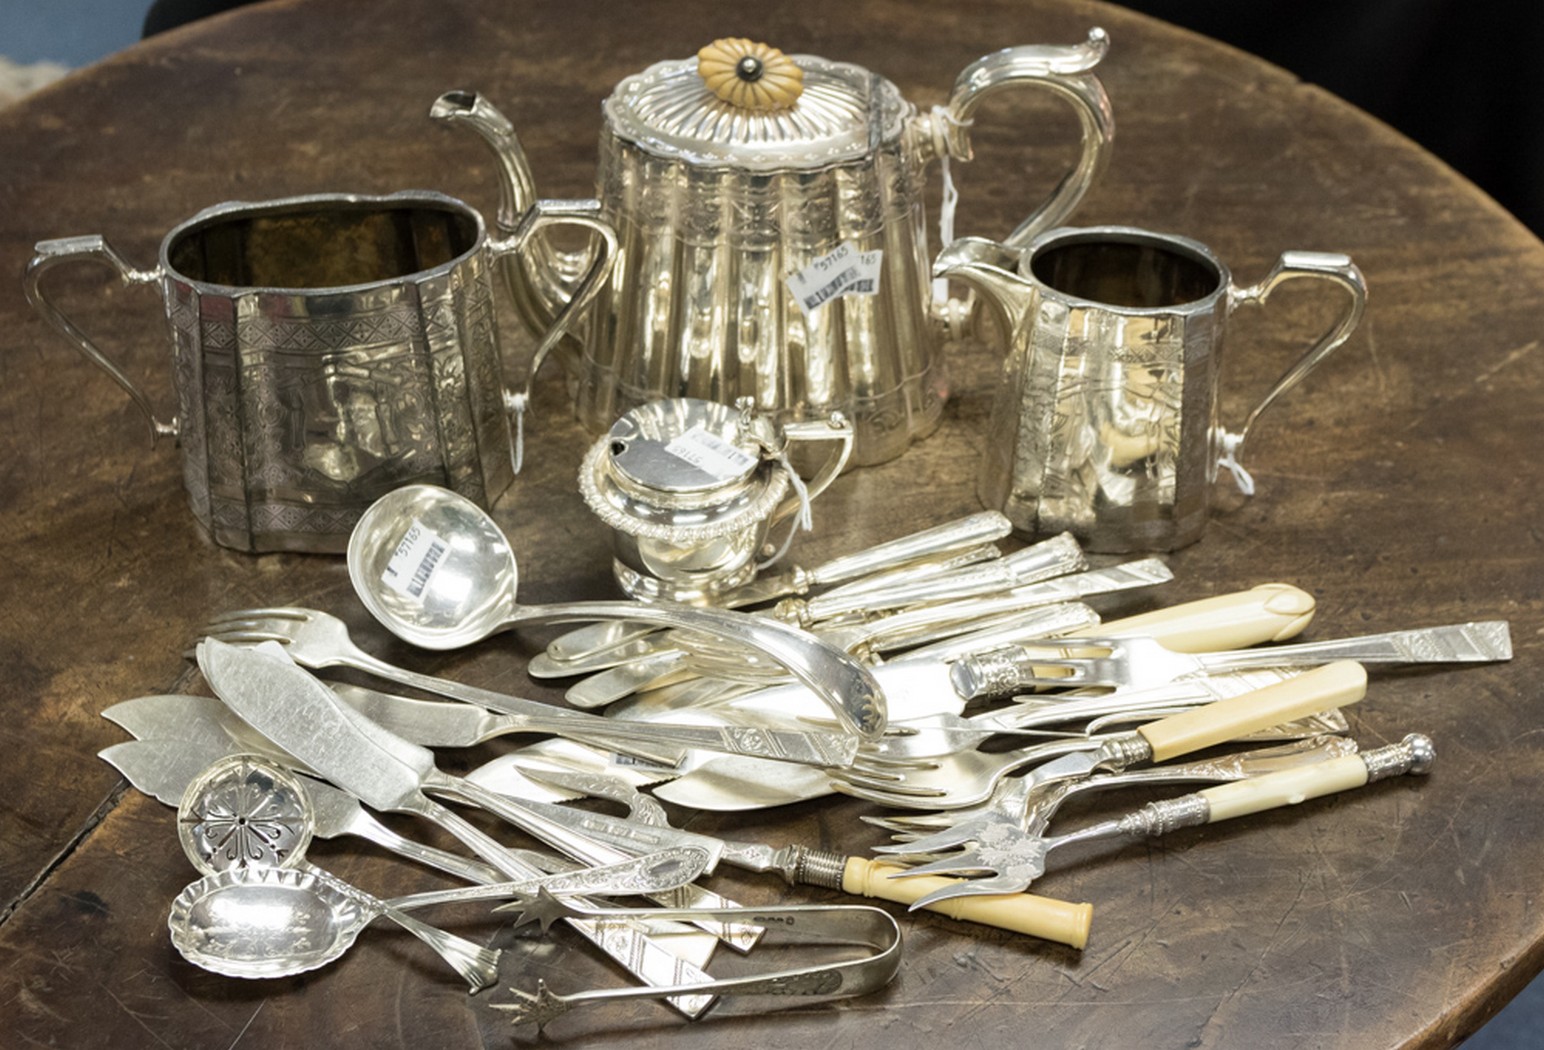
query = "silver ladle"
{"x": 261, "y": 910}
{"x": 438, "y": 572}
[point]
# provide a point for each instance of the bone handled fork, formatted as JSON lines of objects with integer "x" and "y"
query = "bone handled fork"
{"x": 1017, "y": 859}
{"x": 964, "y": 780}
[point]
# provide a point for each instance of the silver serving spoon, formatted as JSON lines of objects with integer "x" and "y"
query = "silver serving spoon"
{"x": 437, "y": 571}
{"x": 277, "y": 922}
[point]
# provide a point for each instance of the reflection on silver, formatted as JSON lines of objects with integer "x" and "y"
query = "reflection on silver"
{"x": 326, "y": 350}
{"x": 690, "y": 490}
{"x": 1105, "y": 419}
{"x": 714, "y": 207}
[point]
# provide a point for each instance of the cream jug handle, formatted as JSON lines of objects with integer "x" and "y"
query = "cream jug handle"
{"x": 90, "y": 249}
{"x": 541, "y": 214}
{"x": 1064, "y": 71}
{"x": 1327, "y": 266}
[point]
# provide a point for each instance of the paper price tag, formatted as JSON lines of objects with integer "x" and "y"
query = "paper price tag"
{"x": 711, "y": 453}
{"x": 414, "y": 561}
{"x": 844, "y": 271}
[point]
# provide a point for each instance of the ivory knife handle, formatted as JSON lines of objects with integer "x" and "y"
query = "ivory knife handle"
{"x": 1288, "y": 787}
{"x": 1331, "y": 686}
{"x": 1045, "y": 917}
{"x": 1270, "y": 612}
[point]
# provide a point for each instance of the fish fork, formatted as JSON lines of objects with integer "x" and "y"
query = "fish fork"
{"x": 1142, "y": 662}
{"x": 1016, "y": 859}
{"x": 316, "y": 640}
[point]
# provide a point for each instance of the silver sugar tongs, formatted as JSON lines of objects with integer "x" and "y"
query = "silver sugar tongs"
{"x": 837, "y": 924}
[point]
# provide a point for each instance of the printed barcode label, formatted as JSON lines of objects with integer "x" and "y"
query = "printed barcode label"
{"x": 844, "y": 271}
{"x": 413, "y": 563}
{"x": 711, "y": 453}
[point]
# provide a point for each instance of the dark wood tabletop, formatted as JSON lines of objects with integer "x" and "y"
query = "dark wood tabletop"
{"x": 1399, "y": 485}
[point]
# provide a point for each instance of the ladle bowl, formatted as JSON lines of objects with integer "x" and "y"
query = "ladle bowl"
{"x": 438, "y": 572}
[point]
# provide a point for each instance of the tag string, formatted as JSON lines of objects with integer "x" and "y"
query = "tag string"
{"x": 1231, "y": 443}
{"x": 803, "y": 521}
{"x": 951, "y": 199}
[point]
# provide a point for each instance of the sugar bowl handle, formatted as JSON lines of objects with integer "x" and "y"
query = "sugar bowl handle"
{"x": 836, "y": 430}
{"x": 49, "y": 254}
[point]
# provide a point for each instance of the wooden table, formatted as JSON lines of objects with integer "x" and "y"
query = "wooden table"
{"x": 1399, "y": 486}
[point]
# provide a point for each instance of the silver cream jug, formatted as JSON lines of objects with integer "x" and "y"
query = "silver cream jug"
{"x": 1105, "y": 418}
{"x": 722, "y": 208}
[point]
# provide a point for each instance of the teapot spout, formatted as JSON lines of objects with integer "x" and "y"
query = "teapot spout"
{"x": 990, "y": 268}
{"x": 517, "y": 189}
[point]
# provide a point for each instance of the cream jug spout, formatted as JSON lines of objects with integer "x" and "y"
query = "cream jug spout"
{"x": 990, "y": 268}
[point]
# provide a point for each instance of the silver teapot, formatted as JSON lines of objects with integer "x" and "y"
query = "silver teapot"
{"x": 773, "y": 242}
{"x": 690, "y": 490}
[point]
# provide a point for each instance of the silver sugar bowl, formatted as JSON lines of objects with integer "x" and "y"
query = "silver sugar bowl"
{"x": 691, "y": 490}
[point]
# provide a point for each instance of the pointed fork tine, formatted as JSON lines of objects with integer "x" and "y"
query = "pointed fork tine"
{"x": 991, "y": 885}
{"x": 278, "y": 612}
{"x": 961, "y": 863}
{"x": 959, "y": 835}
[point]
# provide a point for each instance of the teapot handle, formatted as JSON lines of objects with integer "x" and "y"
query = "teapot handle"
{"x": 49, "y": 254}
{"x": 1064, "y": 71}
{"x": 543, "y": 213}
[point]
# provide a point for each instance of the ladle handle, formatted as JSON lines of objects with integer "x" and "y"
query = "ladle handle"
{"x": 844, "y": 684}
{"x": 1063, "y": 71}
{"x": 49, "y": 254}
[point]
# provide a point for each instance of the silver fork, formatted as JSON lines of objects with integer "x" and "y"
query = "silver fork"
{"x": 945, "y": 734}
{"x": 1015, "y": 859}
{"x": 1030, "y": 809}
{"x": 1142, "y": 662}
{"x": 316, "y": 640}
{"x": 964, "y": 780}
{"x": 1011, "y": 796}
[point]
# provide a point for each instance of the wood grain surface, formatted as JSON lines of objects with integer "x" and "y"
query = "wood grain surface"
{"x": 1399, "y": 485}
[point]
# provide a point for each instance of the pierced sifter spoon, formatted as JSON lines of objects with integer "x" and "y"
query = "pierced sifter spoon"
{"x": 262, "y": 910}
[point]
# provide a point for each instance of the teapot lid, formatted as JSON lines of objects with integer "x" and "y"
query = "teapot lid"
{"x": 770, "y": 111}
